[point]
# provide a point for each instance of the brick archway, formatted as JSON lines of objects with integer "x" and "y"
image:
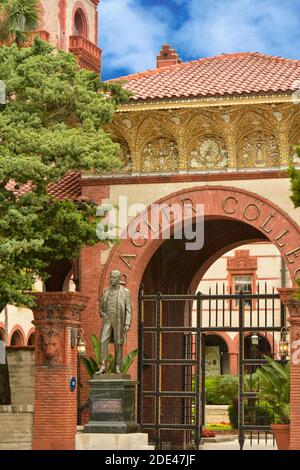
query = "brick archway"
{"x": 247, "y": 216}
{"x": 223, "y": 203}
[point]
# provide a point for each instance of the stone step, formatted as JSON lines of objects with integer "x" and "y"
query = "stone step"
{"x": 94, "y": 441}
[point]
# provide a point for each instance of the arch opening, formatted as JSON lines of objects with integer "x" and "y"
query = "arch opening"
{"x": 17, "y": 339}
{"x": 31, "y": 340}
{"x": 216, "y": 355}
{"x": 80, "y": 23}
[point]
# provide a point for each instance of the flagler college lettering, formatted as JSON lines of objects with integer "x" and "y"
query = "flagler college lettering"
{"x": 250, "y": 212}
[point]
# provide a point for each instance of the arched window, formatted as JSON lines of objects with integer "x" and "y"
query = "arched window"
{"x": 31, "y": 340}
{"x": 17, "y": 339}
{"x": 80, "y": 24}
{"x": 2, "y": 334}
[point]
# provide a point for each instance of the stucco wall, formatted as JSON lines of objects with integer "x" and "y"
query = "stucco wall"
{"x": 52, "y": 22}
{"x": 21, "y": 373}
{"x": 16, "y": 421}
{"x": 16, "y": 427}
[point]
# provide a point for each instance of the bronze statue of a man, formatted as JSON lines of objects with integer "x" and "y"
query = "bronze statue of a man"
{"x": 116, "y": 311}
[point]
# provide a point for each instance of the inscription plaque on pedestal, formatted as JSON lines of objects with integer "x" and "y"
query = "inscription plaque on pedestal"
{"x": 112, "y": 405}
{"x": 107, "y": 406}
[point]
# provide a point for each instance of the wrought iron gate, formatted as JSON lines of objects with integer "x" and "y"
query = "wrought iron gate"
{"x": 171, "y": 368}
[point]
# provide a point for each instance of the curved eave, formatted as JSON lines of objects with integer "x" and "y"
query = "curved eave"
{"x": 212, "y": 101}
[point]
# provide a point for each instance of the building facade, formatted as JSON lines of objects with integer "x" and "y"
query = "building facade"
{"x": 215, "y": 133}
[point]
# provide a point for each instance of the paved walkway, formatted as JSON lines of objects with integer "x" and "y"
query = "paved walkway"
{"x": 234, "y": 445}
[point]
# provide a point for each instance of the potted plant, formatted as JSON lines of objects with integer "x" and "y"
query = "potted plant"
{"x": 274, "y": 387}
{"x": 92, "y": 365}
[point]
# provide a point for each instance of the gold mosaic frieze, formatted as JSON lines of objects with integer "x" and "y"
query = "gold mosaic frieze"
{"x": 189, "y": 140}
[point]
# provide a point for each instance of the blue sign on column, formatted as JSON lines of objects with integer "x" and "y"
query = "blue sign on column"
{"x": 72, "y": 384}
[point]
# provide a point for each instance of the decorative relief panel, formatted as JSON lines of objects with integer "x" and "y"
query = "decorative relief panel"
{"x": 258, "y": 149}
{"x": 160, "y": 155}
{"x": 238, "y": 136}
{"x": 125, "y": 157}
{"x": 50, "y": 346}
{"x": 294, "y": 139}
{"x": 209, "y": 152}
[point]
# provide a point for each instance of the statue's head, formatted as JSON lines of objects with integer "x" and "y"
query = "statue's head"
{"x": 115, "y": 277}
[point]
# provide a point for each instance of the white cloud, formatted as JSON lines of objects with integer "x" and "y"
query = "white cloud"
{"x": 130, "y": 35}
{"x": 133, "y": 31}
{"x": 214, "y": 26}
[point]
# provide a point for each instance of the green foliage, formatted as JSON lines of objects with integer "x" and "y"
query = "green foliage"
{"x": 50, "y": 126}
{"x": 274, "y": 387}
{"x": 233, "y": 414}
{"x": 254, "y": 414}
{"x": 218, "y": 427}
{"x": 17, "y": 18}
{"x": 93, "y": 365}
{"x": 221, "y": 389}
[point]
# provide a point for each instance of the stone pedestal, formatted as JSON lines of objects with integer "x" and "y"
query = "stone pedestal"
{"x": 93, "y": 441}
{"x": 112, "y": 408}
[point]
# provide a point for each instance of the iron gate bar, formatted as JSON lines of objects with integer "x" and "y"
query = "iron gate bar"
{"x": 157, "y": 381}
{"x": 175, "y": 297}
{"x": 241, "y": 374}
{"x": 140, "y": 354}
{"x": 170, "y": 393}
{"x": 178, "y": 329}
{"x": 256, "y": 427}
{"x": 184, "y": 427}
{"x": 172, "y": 361}
{"x": 198, "y": 422}
{"x": 203, "y": 364}
{"x": 198, "y": 332}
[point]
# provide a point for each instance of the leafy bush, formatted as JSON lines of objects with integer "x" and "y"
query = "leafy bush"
{"x": 233, "y": 414}
{"x": 260, "y": 414}
{"x": 274, "y": 386}
{"x": 221, "y": 389}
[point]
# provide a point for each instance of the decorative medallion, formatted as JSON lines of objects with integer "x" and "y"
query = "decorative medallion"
{"x": 209, "y": 153}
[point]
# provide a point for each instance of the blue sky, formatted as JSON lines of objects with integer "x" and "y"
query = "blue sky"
{"x": 131, "y": 32}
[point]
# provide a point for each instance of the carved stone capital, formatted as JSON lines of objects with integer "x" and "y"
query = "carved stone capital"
{"x": 287, "y": 297}
{"x": 56, "y": 314}
{"x": 59, "y": 306}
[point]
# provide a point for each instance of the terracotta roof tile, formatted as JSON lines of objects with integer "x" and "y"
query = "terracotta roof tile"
{"x": 226, "y": 74}
{"x": 67, "y": 188}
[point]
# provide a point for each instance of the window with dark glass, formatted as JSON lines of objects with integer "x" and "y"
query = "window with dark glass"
{"x": 243, "y": 284}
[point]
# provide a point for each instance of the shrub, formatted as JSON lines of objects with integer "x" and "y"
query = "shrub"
{"x": 221, "y": 389}
{"x": 260, "y": 414}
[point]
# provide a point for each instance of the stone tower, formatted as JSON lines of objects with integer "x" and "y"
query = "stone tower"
{"x": 72, "y": 25}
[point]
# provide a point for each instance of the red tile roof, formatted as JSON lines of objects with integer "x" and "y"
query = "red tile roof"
{"x": 67, "y": 188}
{"x": 224, "y": 75}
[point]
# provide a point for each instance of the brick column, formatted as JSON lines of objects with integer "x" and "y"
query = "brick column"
{"x": 55, "y": 408}
{"x": 293, "y": 306}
